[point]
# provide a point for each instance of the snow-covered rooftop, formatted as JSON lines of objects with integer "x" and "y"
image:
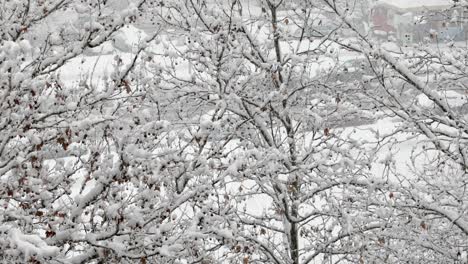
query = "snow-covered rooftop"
{"x": 414, "y": 5}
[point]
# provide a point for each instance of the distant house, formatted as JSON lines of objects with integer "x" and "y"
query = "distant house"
{"x": 414, "y": 20}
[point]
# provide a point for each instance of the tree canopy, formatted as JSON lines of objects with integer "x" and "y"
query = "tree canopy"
{"x": 230, "y": 131}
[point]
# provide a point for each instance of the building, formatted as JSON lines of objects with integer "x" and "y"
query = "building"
{"x": 415, "y": 20}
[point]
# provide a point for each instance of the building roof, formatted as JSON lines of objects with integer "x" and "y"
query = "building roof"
{"x": 416, "y": 5}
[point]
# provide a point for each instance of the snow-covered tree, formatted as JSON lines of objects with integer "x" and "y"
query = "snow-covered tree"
{"x": 65, "y": 150}
{"x": 256, "y": 85}
{"x": 421, "y": 89}
{"x": 227, "y": 131}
